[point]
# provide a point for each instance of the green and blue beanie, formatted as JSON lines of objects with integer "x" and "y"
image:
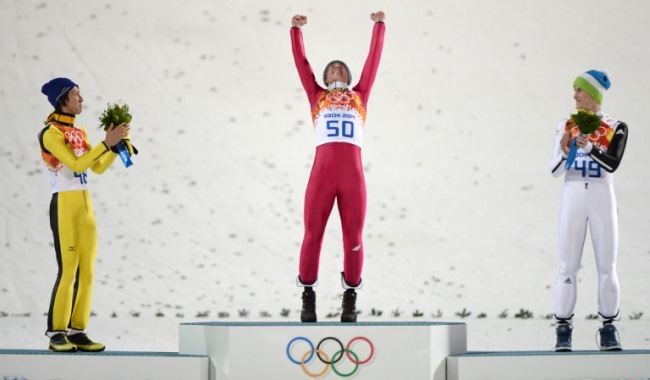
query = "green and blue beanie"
{"x": 594, "y": 83}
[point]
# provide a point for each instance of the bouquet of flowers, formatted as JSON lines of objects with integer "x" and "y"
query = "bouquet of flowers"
{"x": 115, "y": 115}
{"x": 587, "y": 121}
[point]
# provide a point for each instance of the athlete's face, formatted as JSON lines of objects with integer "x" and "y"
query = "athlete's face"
{"x": 584, "y": 100}
{"x": 336, "y": 72}
{"x": 74, "y": 105}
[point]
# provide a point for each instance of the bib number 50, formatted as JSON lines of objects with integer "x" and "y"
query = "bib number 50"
{"x": 337, "y": 128}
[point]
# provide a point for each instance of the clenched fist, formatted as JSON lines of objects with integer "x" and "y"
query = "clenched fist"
{"x": 378, "y": 16}
{"x": 298, "y": 21}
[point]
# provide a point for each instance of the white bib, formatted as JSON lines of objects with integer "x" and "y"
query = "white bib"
{"x": 340, "y": 117}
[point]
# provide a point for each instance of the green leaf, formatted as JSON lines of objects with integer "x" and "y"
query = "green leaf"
{"x": 588, "y": 122}
{"x": 115, "y": 114}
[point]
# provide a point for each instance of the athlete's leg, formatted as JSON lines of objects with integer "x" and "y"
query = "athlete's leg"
{"x": 62, "y": 220}
{"x": 351, "y": 201}
{"x": 319, "y": 201}
{"x": 87, "y": 254}
{"x": 572, "y": 232}
{"x": 603, "y": 223}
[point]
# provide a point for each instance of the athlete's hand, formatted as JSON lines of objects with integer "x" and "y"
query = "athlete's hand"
{"x": 115, "y": 134}
{"x": 130, "y": 147}
{"x": 378, "y": 16}
{"x": 584, "y": 143}
{"x": 298, "y": 21}
{"x": 565, "y": 143}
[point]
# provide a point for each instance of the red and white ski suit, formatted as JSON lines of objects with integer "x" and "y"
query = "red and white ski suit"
{"x": 339, "y": 117}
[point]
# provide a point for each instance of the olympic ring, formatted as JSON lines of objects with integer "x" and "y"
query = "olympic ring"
{"x": 311, "y": 345}
{"x": 325, "y": 359}
{"x": 321, "y": 342}
{"x": 356, "y": 362}
{"x": 75, "y": 137}
{"x": 601, "y": 131}
{"x": 304, "y": 369}
{"x": 340, "y": 97}
{"x": 372, "y": 350}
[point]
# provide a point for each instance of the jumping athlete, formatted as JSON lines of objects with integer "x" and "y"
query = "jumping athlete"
{"x": 338, "y": 113}
{"x": 67, "y": 154}
{"x": 588, "y": 200}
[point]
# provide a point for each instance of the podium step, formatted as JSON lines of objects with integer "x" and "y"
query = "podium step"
{"x": 364, "y": 350}
{"x": 108, "y": 365}
{"x": 544, "y": 365}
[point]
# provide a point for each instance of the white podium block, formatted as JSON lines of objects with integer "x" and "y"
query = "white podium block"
{"x": 544, "y": 365}
{"x": 108, "y": 365}
{"x": 324, "y": 350}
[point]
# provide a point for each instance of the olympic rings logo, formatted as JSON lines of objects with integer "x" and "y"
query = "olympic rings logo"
{"x": 338, "y": 97}
{"x": 75, "y": 137}
{"x": 598, "y": 133}
{"x": 324, "y": 358}
{"x": 601, "y": 131}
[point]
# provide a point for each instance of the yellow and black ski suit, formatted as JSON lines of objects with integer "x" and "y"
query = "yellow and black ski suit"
{"x": 68, "y": 154}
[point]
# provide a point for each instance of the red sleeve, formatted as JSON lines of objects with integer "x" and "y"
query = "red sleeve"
{"x": 369, "y": 72}
{"x": 305, "y": 71}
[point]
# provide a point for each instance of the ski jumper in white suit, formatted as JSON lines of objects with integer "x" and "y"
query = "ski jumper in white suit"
{"x": 588, "y": 200}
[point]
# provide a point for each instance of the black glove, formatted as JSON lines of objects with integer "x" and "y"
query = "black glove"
{"x": 132, "y": 150}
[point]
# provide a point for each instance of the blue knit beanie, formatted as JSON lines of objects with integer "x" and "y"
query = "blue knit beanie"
{"x": 57, "y": 89}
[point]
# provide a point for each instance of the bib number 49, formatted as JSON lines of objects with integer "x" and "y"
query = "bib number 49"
{"x": 592, "y": 171}
{"x": 337, "y": 128}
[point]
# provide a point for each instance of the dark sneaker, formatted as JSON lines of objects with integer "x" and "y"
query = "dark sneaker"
{"x": 609, "y": 338}
{"x": 349, "y": 306}
{"x": 563, "y": 332}
{"x": 308, "y": 312}
{"x": 84, "y": 343}
{"x": 59, "y": 343}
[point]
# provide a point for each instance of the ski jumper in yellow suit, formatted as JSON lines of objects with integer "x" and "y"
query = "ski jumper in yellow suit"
{"x": 68, "y": 155}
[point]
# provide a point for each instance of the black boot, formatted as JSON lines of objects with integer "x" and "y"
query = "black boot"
{"x": 308, "y": 312}
{"x": 349, "y": 306}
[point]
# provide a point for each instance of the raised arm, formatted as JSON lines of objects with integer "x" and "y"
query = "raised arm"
{"x": 307, "y": 77}
{"x": 371, "y": 66}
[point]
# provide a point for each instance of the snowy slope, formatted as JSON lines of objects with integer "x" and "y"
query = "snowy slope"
{"x": 462, "y": 212}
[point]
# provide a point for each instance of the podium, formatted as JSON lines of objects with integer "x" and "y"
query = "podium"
{"x": 543, "y": 365}
{"x": 324, "y": 350}
{"x": 44, "y": 365}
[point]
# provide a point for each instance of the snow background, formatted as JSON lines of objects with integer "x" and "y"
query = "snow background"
{"x": 462, "y": 211}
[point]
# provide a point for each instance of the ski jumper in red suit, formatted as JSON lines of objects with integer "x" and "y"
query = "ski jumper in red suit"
{"x": 339, "y": 116}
